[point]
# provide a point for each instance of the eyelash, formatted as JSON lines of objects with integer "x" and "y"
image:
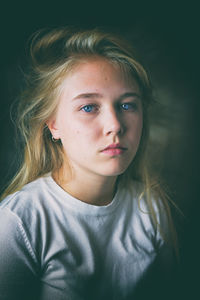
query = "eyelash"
{"x": 132, "y": 107}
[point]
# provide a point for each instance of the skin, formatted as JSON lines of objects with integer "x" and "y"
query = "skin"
{"x": 98, "y": 106}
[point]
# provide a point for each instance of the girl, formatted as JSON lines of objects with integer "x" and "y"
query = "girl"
{"x": 82, "y": 218}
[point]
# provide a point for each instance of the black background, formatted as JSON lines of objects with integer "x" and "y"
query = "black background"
{"x": 166, "y": 36}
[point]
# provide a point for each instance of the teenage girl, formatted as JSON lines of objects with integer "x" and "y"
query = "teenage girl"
{"x": 82, "y": 218}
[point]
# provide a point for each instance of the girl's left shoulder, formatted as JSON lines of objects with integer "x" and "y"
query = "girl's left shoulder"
{"x": 152, "y": 210}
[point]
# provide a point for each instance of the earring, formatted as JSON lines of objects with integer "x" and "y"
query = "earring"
{"x": 53, "y": 139}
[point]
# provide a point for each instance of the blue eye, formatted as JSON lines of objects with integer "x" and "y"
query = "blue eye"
{"x": 129, "y": 106}
{"x": 88, "y": 108}
{"x": 125, "y": 106}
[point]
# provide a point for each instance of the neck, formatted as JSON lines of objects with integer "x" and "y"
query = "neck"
{"x": 94, "y": 190}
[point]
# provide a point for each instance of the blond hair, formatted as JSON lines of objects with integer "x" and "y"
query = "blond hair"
{"x": 53, "y": 54}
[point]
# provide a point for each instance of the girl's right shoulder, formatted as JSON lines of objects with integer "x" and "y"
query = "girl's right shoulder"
{"x": 27, "y": 200}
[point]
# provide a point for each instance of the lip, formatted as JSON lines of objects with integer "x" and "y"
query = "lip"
{"x": 114, "y": 149}
{"x": 114, "y": 146}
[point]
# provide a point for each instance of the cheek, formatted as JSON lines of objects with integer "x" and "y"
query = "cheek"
{"x": 88, "y": 129}
{"x": 79, "y": 133}
{"x": 135, "y": 127}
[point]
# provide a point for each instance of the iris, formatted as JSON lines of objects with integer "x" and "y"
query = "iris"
{"x": 88, "y": 108}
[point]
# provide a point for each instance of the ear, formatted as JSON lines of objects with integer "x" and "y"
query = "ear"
{"x": 52, "y": 125}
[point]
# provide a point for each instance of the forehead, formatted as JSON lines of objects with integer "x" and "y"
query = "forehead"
{"x": 91, "y": 71}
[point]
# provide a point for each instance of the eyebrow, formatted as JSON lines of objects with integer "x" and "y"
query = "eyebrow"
{"x": 97, "y": 95}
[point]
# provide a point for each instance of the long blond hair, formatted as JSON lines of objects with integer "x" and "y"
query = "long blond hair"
{"x": 53, "y": 54}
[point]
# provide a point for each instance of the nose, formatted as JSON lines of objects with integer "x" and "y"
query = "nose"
{"x": 112, "y": 123}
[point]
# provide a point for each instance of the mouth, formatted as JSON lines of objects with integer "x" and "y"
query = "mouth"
{"x": 114, "y": 149}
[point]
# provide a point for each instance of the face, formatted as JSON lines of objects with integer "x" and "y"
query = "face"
{"x": 99, "y": 119}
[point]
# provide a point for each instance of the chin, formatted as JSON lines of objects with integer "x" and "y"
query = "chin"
{"x": 114, "y": 172}
{"x": 120, "y": 168}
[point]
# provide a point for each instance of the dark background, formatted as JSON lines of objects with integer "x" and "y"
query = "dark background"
{"x": 166, "y": 37}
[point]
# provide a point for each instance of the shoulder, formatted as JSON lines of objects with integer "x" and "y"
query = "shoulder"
{"x": 31, "y": 197}
{"x": 24, "y": 213}
{"x": 28, "y": 206}
{"x": 151, "y": 210}
{"x": 147, "y": 200}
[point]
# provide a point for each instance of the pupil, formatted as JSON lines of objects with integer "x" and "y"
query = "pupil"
{"x": 88, "y": 108}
